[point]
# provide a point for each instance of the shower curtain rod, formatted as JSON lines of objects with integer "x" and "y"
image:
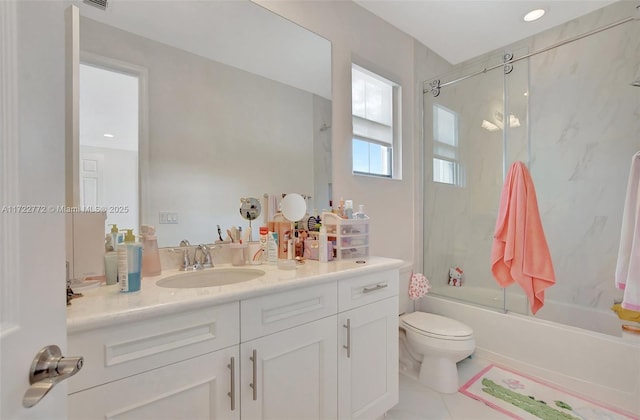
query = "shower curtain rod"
{"x": 509, "y": 60}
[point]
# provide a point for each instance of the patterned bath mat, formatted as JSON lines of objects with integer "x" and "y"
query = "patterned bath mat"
{"x": 522, "y": 397}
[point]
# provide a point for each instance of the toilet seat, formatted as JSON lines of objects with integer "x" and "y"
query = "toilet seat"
{"x": 436, "y": 326}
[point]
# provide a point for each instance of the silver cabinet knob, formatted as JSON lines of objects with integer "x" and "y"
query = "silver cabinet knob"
{"x": 49, "y": 368}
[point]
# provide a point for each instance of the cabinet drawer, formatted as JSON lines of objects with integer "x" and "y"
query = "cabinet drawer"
{"x": 118, "y": 351}
{"x": 271, "y": 313}
{"x": 369, "y": 288}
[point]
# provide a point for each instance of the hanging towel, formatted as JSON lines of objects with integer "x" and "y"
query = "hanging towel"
{"x": 627, "y": 275}
{"x": 520, "y": 253}
{"x": 418, "y": 286}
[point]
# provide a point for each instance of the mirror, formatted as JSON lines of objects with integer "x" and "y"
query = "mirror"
{"x": 294, "y": 207}
{"x": 233, "y": 101}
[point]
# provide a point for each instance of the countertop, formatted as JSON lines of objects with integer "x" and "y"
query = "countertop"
{"x": 106, "y": 305}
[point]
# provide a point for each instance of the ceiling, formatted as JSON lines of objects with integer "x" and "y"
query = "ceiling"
{"x": 459, "y": 30}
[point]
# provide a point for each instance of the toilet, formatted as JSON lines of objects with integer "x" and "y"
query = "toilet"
{"x": 438, "y": 343}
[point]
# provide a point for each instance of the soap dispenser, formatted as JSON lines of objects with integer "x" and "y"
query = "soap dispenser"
{"x": 150, "y": 254}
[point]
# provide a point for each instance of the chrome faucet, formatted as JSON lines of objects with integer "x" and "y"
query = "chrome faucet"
{"x": 201, "y": 256}
{"x": 205, "y": 260}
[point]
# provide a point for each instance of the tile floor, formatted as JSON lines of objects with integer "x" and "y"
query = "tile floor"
{"x": 418, "y": 402}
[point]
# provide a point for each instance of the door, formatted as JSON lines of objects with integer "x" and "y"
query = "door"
{"x": 91, "y": 180}
{"x": 368, "y": 360}
{"x": 291, "y": 374}
{"x": 199, "y": 388}
{"x": 32, "y": 246}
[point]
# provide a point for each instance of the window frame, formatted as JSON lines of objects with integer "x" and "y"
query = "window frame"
{"x": 394, "y": 147}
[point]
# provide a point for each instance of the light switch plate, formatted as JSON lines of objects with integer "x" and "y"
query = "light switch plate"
{"x": 168, "y": 218}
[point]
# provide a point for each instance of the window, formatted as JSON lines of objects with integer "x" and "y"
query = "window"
{"x": 375, "y": 123}
{"x": 446, "y": 162}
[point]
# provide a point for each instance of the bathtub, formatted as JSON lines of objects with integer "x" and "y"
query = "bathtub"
{"x": 600, "y": 366}
{"x": 560, "y": 312}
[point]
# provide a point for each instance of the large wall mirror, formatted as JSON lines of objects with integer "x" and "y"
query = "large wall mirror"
{"x": 186, "y": 107}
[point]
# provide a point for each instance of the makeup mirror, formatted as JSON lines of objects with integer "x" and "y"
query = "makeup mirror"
{"x": 293, "y": 207}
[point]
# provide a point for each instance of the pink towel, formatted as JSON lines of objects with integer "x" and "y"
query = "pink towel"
{"x": 628, "y": 265}
{"x": 520, "y": 253}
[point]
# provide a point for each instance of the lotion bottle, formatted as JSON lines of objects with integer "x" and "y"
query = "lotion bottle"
{"x": 322, "y": 245}
{"x": 129, "y": 263}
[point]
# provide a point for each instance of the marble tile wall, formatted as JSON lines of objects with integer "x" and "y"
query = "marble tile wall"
{"x": 579, "y": 126}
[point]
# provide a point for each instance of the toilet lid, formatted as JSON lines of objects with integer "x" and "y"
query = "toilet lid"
{"x": 433, "y": 324}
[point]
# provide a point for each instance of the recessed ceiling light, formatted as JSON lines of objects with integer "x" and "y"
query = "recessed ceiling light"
{"x": 533, "y": 15}
{"x": 109, "y": 135}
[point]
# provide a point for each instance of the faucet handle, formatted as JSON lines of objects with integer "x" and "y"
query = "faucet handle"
{"x": 185, "y": 257}
{"x": 184, "y": 242}
{"x": 207, "y": 261}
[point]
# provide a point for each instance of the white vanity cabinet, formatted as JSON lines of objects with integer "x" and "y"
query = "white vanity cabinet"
{"x": 324, "y": 350}
{"x": 291, "y": 374}
{"x": 178, "y": 366}
{"x": 197, "y": 388}
{"x": 288, "y": 354}
{"x": 368, "y": 342}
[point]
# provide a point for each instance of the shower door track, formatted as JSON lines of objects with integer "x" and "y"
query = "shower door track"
{"x": 435, "y": 85}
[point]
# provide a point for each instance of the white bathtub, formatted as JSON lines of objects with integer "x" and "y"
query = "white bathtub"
{"x": 560, "y": 312}
{"x": 599, "y": 366}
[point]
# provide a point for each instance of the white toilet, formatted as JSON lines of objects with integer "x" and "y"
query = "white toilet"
{"x": 438, "y": 343}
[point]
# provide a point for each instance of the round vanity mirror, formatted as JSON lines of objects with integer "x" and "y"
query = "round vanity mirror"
{"x": 250, "y": 208}
{"x": 294, "y": 207}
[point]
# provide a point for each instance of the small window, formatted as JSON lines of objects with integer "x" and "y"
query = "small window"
{"x": 375, "y": 123}
{"x": 446, "y": 160}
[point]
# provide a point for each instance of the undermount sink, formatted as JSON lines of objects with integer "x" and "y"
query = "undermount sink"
{"x": 209, "y": 278}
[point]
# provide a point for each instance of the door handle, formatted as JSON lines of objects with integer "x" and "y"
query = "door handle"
{"x": 232, "y": 393}
{"x": 373, "y": 289}
{"x": 348, "y": 346}
{"x": 254, "y": 384}
{"x": 49, "y": 368}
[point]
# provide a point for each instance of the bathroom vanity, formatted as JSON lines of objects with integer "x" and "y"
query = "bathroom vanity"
{"x": 317, "y": 342}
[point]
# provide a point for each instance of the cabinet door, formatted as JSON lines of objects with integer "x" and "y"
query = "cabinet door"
{"x": 368, "y": 360}
{"x": 197, "y": 388}
{"x": 291, "y": 374}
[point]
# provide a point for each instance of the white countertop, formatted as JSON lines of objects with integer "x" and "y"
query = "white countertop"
{"x": 106, "y": 305}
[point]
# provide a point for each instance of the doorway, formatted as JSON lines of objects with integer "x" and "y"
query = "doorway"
{"x": 109, "y": 139}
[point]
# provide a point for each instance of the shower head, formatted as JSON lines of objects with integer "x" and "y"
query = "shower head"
{"x": 636, "y": 82}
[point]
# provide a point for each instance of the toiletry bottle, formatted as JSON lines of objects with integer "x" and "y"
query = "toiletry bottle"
{"x": 264, "y": 232}
{"x": 348, "y": 209}
{"x": 360, "y": 214}
{"x": 111, "y": 267}
{"x": 114, "y": 236}
{"x": 272, "y": 248}
{"x": 322, "y": 245}
{"x": 150, "y": 254}
{"x": 129, "y": 263}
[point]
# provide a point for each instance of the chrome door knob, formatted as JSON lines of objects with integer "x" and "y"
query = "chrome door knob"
{"x": 49, "y": 368}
